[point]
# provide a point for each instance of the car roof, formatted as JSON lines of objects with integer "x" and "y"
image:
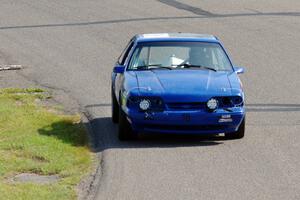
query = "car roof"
{"x": 159, "y": 37}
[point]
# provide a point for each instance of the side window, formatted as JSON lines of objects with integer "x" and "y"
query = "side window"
{"x": 134, "y": 59}
{"x": 123, "y": 56}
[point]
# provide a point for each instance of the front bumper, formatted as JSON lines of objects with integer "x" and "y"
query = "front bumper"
{"x": 187, "y": 122}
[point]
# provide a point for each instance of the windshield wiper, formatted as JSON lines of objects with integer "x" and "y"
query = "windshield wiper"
{"x": 153, "y": 66}
{"x": 185, "y": 65}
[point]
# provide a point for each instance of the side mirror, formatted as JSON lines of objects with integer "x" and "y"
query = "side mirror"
{"x": 239, "y": 70}
{"x": 119, "y": 69}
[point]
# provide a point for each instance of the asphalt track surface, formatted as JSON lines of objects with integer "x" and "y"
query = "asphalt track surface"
{"x": 71, "y": 46}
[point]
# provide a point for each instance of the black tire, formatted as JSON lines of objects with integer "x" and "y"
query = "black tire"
{"x": 114, "y": 108}
{"x": 125, "y": 130}
{"x": 240, "y": 133}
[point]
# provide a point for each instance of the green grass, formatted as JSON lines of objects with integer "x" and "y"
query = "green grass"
{"x": 35, "y": 140}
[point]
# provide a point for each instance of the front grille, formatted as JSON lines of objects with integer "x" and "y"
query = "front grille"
{"x": 186, "y": 106}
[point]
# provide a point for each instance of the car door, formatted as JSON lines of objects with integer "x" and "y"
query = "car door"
{"x": 117, "y": 78}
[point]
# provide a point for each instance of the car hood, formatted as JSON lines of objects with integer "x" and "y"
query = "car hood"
{"x": 183, "y": 85}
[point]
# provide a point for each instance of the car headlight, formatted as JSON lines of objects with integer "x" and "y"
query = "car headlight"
{"x": 144, "y": 104}
{"x": 212, "y": 104}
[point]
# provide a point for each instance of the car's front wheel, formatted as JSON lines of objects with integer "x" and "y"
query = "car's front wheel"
{"x": 240, "y": 133}
{"x": 125, "y": 130}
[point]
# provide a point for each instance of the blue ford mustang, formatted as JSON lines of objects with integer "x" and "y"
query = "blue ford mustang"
{"x": 177, "y": 83}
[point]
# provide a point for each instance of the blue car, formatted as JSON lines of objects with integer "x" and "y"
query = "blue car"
{"x": 177, "y": 83}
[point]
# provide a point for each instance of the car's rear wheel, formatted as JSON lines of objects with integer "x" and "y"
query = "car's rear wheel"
{"x": 114, "y": 108}
{"x": 240, "y": 133}
{"x": 125, "y": 130}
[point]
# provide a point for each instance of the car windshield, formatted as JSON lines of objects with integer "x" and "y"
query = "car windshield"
{"x": 179, "y": 55}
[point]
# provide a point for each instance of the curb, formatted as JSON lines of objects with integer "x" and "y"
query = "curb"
{"x": 88, "y": 187}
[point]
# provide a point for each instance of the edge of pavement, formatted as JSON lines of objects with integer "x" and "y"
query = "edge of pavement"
{"x": 89, "y": 186}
